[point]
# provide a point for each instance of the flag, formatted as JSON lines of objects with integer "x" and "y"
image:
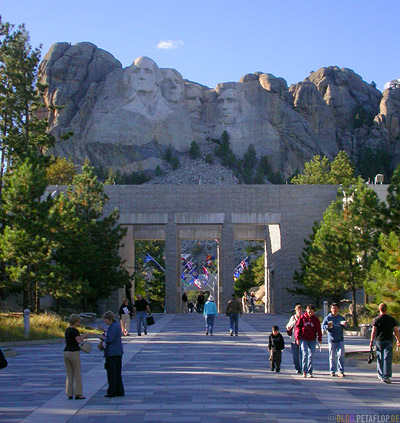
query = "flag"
{"x": 205, "y": 272}
{"x": 197, "y": 282}
{"x": 189, "y": 264}
{"x": 194, "y": 273}
{"x": 148, "y": 258}
{"x": 183, "y": 276}
{"x": 236, "y": 275}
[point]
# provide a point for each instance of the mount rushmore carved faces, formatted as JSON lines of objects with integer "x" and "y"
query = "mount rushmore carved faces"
{"x": 228, "y": 106}
{"x": 172, "y": 85}
{"x": 194, "y": 99}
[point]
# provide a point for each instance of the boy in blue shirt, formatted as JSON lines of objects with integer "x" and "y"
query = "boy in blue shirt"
{"x": 334, "y": 323}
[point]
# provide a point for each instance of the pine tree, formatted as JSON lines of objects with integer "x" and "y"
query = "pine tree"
{"x": 347, "y": 239}
{"x": 320, "y": 171}
{"x": 341, "y": 170}
{"x": 26, "y": 246}
{"x": 384, "y": 278}
{"x": 21, "y": 132}
{"x": 89, "y": 243}
{"x": 316, "y": 171}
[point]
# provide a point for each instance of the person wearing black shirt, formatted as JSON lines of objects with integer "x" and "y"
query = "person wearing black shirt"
{"x": 200, "y": 303}
{"x": 275, "y": 345}
{"x": 383, "y": 328}
{"x": 72, "y": 360}
{"x": 184, "y": 302}
{"x": 140, "y": 310}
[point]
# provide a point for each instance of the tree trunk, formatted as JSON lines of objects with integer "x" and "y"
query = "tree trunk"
{"x": 354, "y": 298}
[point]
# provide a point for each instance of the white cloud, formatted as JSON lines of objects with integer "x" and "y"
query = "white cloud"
{"x": 169, "y": 44}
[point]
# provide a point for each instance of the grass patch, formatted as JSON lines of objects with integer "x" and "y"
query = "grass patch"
{"x": 42, "y": 326}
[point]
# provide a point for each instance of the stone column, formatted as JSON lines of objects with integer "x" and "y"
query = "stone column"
{"x": 269, "y": 288}
{"x": 172, "y": 267}
{"x": 127, "y": 253}
{"x": 226, "y": 263}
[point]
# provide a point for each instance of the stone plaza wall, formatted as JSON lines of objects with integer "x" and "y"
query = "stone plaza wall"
{"x": 175, "y": 213}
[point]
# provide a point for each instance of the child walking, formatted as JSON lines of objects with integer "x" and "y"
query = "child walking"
{"x": 275, "y": 346}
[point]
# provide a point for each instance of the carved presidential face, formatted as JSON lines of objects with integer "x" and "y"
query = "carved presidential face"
{"x": 144, "y": 76}
{"x": 193, "y": 96}
{"x": 172, "y": 85}
{"x": 228, "y": 106}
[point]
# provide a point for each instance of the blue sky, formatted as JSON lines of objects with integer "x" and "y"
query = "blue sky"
{"x": 220, "y": 40}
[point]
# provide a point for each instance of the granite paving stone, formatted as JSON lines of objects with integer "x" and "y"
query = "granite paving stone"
{"x": 178, "y": 374}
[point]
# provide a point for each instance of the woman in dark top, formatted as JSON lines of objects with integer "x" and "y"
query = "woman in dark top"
{"x": 72, "y": 360}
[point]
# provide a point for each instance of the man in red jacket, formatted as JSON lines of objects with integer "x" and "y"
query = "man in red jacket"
{"x": 308, "y": 329}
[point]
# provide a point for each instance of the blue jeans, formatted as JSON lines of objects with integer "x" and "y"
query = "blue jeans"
{"x": 296, "y": 352}
{"x": 307, "y": 352}
{"x": 209, "y": 318}
{"x": 336, "y": 356}
{"x": 141, "y": 320}
{"x": 384, "y": 356}
{"x": 234, "y": 323}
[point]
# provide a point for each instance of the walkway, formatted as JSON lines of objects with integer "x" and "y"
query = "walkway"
{"x": 177, "y": 374}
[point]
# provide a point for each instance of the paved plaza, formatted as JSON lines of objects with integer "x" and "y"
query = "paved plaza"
{"x": 177, "y": 374}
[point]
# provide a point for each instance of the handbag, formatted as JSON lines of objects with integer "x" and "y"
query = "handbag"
{"x": 85, "y": 347}
{"x": 150, "y": 320}
{"x": 371, "y": 356}
{"x": 100, "y": 345}
{"x": 289, "y": 331}
{"x": 3, "y": 360}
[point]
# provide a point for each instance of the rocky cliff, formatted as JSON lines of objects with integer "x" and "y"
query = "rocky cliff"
{"x": 127, "y": 117}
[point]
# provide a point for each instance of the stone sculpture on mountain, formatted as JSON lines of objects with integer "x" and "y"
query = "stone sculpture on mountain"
{"x": 126, "y": 118}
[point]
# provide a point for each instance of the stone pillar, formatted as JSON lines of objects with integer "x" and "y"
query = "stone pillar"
{"x": 172, "y": 267}
{"x": 127, "y": 254}
{"x": 269, "y": 288}
{"x": 226, "y": 263}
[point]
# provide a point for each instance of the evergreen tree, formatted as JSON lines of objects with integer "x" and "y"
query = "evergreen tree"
{"x": 320, "y": 171}
{"x": 316, "y": 171}
{"x": 21, "y": 132}
{"x": 60, "y": 171}
{"x": 384, "y": 278}
{"x": 194, "y": 151}
{"x": 312, "y": 279}
{"x": 347, "y": 239}
{"x": 153, "y": 286}
{"x": 89, "y": 244}
{"x": 26, "y": 245}
{"x": 392, "y": 209}
{"x": 341, "y": 170}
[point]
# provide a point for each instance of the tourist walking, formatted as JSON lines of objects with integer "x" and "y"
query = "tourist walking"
{"x": 233, "y": 310}
{"x": 245, "y": 302}
{"x": 200, "y": 303}
{"x": 383, "y": 328}
{"x": 252, "y": 302}
{"x": 72, "y": 360}
{"x": 276, "y": 345}
{"x": 210, "y": 313}
{"x": 113, "y": 355}
{"x": 184, "y": 302}
{"x": 296, "y": 350}
{"x": 306, "y": 333}
{"x": 140, "y": 310}
{"x": 335, "y": 324}
{"x": 125, "y": 314}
